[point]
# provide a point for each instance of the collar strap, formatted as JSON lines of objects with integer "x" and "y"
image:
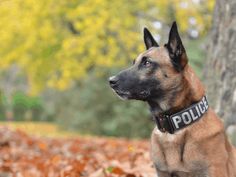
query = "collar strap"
{"x": 182, "y": 119}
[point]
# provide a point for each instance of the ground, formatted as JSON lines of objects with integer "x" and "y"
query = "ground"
{"x": 24, "y": 155}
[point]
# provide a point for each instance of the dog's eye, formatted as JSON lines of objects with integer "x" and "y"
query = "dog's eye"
{"x": 147, "y": 62}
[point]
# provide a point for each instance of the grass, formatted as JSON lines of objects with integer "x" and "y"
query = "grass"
{"x": 42, "y": 129}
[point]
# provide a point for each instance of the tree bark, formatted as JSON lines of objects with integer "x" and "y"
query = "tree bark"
{"x": 220, "y": 69}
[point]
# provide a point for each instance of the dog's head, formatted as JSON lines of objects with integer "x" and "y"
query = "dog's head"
{"x": 155, "y": 73}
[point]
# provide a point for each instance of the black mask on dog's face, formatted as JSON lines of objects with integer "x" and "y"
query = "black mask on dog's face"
{"x": 137, "y": 82}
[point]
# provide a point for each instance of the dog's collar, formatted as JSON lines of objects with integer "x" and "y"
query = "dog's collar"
{"x": 182, "y": 119}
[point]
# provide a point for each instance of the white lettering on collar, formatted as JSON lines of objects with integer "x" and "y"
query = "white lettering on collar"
{"x": 177, "y": 120}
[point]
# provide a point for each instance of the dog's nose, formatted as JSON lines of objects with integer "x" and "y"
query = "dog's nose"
{"x": 113, "y": 81}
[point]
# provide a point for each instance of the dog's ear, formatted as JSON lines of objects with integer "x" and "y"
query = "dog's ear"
{"x": 148, "y": 39}
{"x": 176, "y": 49}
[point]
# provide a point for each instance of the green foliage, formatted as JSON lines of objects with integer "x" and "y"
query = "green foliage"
{"x": 24, "y": 107}
{"x": 196, "y": 54}
{"x": 92, "y": 107}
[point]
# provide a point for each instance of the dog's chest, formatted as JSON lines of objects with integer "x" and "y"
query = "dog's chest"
{"x": 171, "y": 153}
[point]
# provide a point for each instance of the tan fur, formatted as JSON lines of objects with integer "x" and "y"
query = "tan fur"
{"x": 201, "y": 149}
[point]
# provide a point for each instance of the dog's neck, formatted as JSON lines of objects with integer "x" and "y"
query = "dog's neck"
{"x": 192, "y": 91}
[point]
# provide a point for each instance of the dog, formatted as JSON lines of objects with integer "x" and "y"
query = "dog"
{"x": 189, "y": 139}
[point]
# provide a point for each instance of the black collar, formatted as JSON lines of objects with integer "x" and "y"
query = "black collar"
{"x": 182, "y": 119}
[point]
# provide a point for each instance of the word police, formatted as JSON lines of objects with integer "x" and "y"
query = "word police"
{"x": 189, "y": 115}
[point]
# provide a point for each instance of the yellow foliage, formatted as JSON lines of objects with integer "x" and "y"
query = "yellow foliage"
{"x": 56, "y": 42}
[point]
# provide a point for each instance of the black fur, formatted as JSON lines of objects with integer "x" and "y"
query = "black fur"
{"x": 148, "y": 39}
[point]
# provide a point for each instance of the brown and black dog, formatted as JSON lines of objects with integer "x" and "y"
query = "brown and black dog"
{"x": 162, "y": 77}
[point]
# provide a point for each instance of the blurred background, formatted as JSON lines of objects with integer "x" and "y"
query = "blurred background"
{"x": 56, "y": 56}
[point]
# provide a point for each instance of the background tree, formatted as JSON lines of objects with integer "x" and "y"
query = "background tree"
{"x": 221, "y": 67}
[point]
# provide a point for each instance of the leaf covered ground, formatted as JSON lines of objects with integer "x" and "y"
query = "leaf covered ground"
{"x": 22, "y": 155}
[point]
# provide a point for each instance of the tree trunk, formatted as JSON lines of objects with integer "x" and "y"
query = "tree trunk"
{"x": 220, "y": 70}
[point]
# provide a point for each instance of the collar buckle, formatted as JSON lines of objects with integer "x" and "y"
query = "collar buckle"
{"x": 164, "y": 123}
